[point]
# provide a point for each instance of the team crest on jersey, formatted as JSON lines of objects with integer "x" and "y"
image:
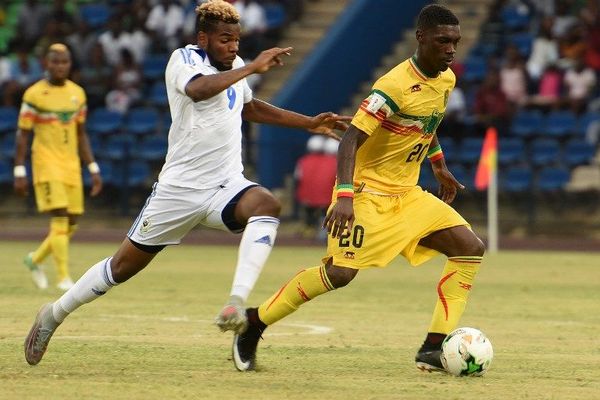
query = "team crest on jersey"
{"x": 415, "y": 88}
{"x": 146, "y": 225}
{"x": 446, "y": 95}
{"x": 349, "y": 255}
{"x": 375, "y": 102}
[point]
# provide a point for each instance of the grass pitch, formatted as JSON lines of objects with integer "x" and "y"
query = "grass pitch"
{"x": 153, "y": 338}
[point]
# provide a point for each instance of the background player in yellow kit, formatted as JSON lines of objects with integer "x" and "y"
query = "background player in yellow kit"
{"x": 54, "y": 110}
{"x": 378, "y": 211}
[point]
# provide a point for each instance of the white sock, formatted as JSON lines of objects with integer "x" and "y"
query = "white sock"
{"x": 93, "y": 284}
{"x": 255, "y": 247}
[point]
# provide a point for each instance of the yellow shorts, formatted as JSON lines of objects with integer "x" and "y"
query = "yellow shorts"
{"x": 55, "y": 195}
{"x": 386, "y": 226}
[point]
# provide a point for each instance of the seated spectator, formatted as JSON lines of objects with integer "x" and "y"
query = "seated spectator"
{"x": 513, "y": 77}
{"x": 127, "y": 84}
{"x": 549, "y": 89}
{"x": 254, "y": 25}
{"x": 572, "y": 47}
{"x": 315, "y": 177}
{"x": 165, "y": 23}
{"x": 544, "y": 50}
{"x": 81, "y": 42}
{"x": 491, "y": 107}
{"x": 453, "y": 124}
{"x": 66, "y": 20}
{"x": 31, "y": 21}
{"x": 580, "y": 81}
{"x": 95, "y": 75}
{"x": 113, "y": 40}
{"x": 25, "y": 69}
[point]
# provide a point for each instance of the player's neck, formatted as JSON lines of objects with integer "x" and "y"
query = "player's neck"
{"x": 56, "y": 82}
{"x": 422, "y": 66}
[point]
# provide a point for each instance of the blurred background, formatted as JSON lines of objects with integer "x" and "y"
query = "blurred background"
{"x": 530, "y": 68}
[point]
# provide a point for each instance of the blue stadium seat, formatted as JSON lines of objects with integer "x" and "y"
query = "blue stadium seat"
{"x": 134, "y": 174}
{"x": 475, "y": 69}
{"x": 95, "y": 15}
{"x": 469, "y": 150}
{"x": 552, "y": 179}
{"x": 158, "y": 94}
{"x": 514, "y": 19}
{"x": 118, "y": 147}
{"x": 7, "y": 147}
{"x": 6, "y": 173}
{"x": 153, "y": 66}
{"x": 523, "y": 41}
{"x": 516, "y": 180}
{"x": 578, "y": 152}
{"x": 449, "y": 148}
{"x": 585, "y": 121}
{"x": 526, "y": 123}
{"x": 8, "y": 119}
{"x": 104, "y": 121}
{"x": 466, "y": 176}
{"x": 140, "y": 121}
{"x": 545, "y": 152}
{"x": 153, "y": 148}
{"x": 560, "y": 124}
{"x": 275, "y": 15}
{"x": 511, "y": 151}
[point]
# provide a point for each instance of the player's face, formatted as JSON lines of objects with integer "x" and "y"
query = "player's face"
{"x": 437, "y": 46}
{"x": 58, "y": 64}
{"x": 221, "y": 45}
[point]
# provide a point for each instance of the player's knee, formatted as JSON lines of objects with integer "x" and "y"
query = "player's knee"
{"x": 340, "y": 276}
{"x": 474, "y": 247}
{"x": 122, "y": 269}
{"x": 269, "y": 206}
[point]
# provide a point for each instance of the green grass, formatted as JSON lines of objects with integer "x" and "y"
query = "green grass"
{"x": 152, "y": 337}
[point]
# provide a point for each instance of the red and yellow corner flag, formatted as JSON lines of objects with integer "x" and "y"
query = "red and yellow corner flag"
{"x": 487, "y": 161}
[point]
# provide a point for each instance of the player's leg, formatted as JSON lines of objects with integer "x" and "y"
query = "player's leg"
{"x": 258, "y": 210}
{"x": 303, "y": 287}
{"x": 464, "y": 251}
{"x": 101, "y": 277}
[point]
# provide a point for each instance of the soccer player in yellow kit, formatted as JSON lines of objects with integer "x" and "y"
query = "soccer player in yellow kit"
{"x": 378, "y": 211}
{"x": 54, "y": 111}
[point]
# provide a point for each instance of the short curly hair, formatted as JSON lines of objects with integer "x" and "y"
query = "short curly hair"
{"x": 434, "y": 15}
{"x": 212, "y": 12}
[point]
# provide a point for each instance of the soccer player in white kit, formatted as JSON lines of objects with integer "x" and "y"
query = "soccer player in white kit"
{"x": 201, "y": 181}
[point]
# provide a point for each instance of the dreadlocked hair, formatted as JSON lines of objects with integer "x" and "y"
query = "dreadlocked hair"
{"x": 212, "y": 12}
{"x": 434, "y": 15}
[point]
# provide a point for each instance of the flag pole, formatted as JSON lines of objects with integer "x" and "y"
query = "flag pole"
{"x": 492, "y": 208}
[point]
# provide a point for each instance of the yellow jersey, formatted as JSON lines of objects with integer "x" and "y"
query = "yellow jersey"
{"x": 53, "y": 113}
{"x": 400, "y": 115}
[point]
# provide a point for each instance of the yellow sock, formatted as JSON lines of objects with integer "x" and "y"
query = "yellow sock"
{"x": 306, "y": 285}
{"x": 453, "y": 291}
{"x": 59, "y": 241}
{"x": 40, "y": 254}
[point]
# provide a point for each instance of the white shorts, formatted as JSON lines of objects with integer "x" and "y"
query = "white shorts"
{"x": 171, "y": 212}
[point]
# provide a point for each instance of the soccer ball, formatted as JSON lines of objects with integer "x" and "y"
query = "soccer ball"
{"x": 467, "y": 352}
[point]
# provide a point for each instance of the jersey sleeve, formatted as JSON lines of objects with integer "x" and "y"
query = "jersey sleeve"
{"x": 181, "y": 69}
{"x": 247, "y": 92}
{"x": 28, "y": 112}
{"x": 382, "y": 102}
{"x": 82, "y": 112}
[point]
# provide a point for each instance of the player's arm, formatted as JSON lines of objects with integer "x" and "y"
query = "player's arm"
{"x": 323, "y": 124}
{"x": 448, "y": 183}
{"x": 20, "y": 173}
{"x": 342, "y": 213}
{"x": 204, "y": 87}
{"x": 86, "y": 154}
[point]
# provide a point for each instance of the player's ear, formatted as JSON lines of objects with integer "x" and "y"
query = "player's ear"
{"x": 202, "y": 39}
{"x": 419, "y": 35}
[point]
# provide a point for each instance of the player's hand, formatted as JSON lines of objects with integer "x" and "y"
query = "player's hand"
{"x": 96, "y": 184}
{"x": 327, "y": 123}
{"x": 269, "y": 58}
{"x": 448, "y": 184}
{"x": 20, "y": 186}
{"x": 340, "y": 217}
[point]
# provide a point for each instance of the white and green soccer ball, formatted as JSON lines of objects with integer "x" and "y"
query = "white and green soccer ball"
{"x": 467, "y": 352}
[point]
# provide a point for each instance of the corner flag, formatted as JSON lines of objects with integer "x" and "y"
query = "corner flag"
{"x": 487, "y": 161}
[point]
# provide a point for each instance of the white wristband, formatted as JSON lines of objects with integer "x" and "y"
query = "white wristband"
{"x": 20, "y": 171}
{"x": 93, "y": 168}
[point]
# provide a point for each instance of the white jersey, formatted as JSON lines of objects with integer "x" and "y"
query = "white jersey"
{"x": 205, "y": 138}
